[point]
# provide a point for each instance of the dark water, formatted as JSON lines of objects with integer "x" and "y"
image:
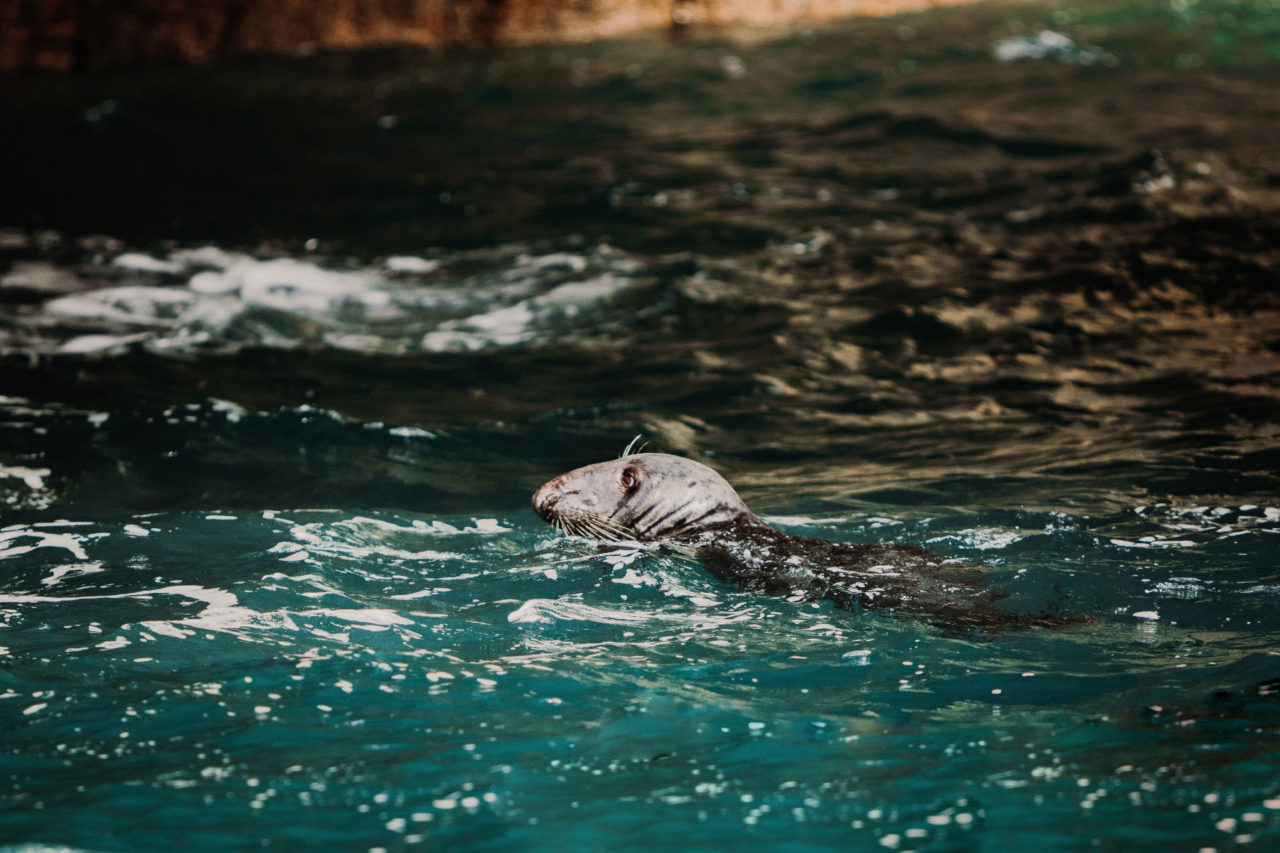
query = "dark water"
{"x": 287, "y": 345}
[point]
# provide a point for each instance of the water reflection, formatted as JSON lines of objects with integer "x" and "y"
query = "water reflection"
{"x": 953, "y": 285}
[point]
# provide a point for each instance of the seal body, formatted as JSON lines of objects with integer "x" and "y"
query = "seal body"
{"x": 656, "y": 497}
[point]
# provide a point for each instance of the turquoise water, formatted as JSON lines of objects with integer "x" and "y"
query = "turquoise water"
{"x": 286, "y": 346}
{"x": 382, "y": 678}
{"x": 347, "y": 678}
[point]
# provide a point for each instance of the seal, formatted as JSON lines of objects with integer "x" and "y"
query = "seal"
{"x": 683, "y": 504}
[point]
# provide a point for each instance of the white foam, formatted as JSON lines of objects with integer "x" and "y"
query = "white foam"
{"x": 67, "y": 541}
{"x": 286, "y": 283}
{"x": 422, "y": 593}
{"x": 166, "y": 629}
{"x": 86, "y": 344}
{"x": 231, "y": 300}
{"x": 32, "y": 477}
{"x": 487, "y": 525}
{"x": 549, "y": 610}
{"x": 361, "y": 616}
{"x": 210, "y": 256}
{"x": 1153, "y": 542}
{"x": 213, "y": 284}
{"x": 362, "y": 538}
{"x": 1049, "y": 44}
{"x": 1044, "y": 44}
{"x": 57, "y": 573}
{"x": 40, "y": 276}
{"x": 232, "y": 411}
{"x": 800, "y": 520}
{"x": 411, "y": 264}
{"x": 145, "y": 263}
{"x": 500, "y": 327}
{"x": 577, "y": 263}
{"x": 410, "y": 432}
{"x": 520, "y": 323}
{"x": 575, "y": 292}
{"x": 983, "y": 539}
{"x": 132, "y": 304}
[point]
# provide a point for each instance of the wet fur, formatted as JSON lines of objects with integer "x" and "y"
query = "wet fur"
{"x": 654, "y": 497}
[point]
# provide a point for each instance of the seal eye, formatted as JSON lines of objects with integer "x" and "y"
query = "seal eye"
{"x": 629, "y": 479}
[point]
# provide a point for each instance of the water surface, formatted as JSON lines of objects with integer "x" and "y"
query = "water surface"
{"x": 287, "y": 345}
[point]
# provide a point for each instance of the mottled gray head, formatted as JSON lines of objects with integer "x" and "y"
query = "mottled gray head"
{"x": 644, "y": 496}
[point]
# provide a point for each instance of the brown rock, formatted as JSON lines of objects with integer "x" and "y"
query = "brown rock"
{"x": 61, "y": 35}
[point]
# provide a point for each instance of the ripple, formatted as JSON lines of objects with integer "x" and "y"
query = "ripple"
{"x": 210, "y": 299}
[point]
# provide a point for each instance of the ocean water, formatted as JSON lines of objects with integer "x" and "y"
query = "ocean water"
{"x": 383, "y": 679}
{"x": 287, "y": 345}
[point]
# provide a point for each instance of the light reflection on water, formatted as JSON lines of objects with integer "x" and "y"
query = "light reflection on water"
{"x": 383, "y": 672}
{"x": 270, "y": 574}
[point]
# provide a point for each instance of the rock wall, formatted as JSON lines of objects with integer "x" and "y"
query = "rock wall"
{"x": 89, "y": 35}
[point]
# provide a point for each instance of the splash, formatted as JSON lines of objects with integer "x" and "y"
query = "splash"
{"x": 209, "y": 299}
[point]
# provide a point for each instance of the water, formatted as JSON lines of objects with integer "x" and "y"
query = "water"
{"x": 287, "y": 345}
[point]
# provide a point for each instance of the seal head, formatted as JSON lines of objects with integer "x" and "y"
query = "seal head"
{"x": 645, "y": 497}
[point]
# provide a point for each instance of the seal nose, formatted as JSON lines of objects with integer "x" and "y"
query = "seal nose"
{"x": 544, "y": 500}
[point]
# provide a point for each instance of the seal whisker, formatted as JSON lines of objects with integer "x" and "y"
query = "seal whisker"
{"x": 626, "y": 451}
{"x": 600, "y": 527}
{"x": 612, "y": 529}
